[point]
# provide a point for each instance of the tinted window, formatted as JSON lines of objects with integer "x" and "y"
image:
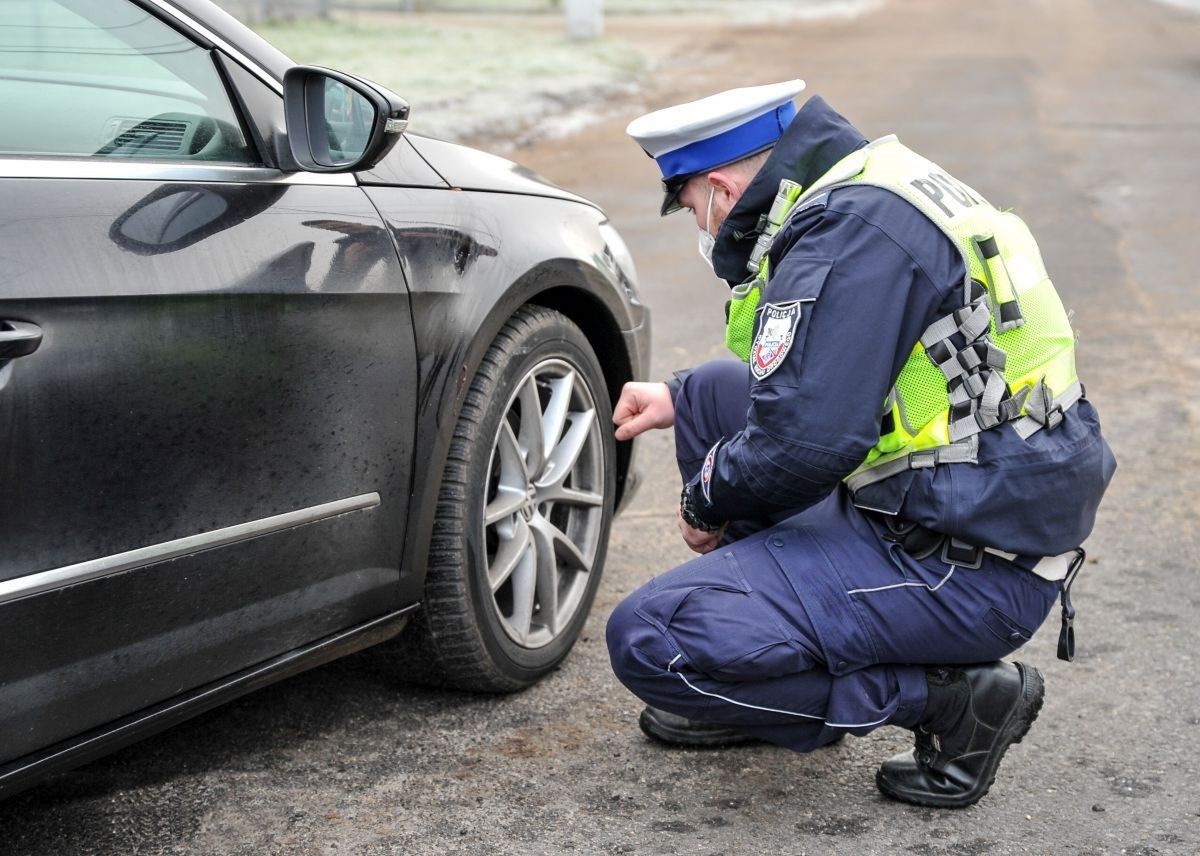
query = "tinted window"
{"x": 104, "y": 78}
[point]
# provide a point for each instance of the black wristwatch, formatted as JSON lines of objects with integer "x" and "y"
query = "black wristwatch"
{"x": 687, "y": 510}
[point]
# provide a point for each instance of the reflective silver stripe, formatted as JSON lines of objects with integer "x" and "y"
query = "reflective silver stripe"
{"x": 70, "y": 575}
{"x": 100, "y": 168}
{"x": 732, "y": 701}
{"x": 1027, "y": 426}
{"x": 927, "y": 586}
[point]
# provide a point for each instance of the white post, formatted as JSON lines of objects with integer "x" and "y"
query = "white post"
{"x": 585, "y": 18}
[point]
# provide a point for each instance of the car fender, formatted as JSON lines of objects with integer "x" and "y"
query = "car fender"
{"x": 471, "y": 259}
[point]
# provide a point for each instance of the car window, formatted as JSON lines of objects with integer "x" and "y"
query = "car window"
{"x": 104, "y": 78}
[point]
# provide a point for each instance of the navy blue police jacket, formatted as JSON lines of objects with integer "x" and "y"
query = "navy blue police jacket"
{"x": 872, "y": 273}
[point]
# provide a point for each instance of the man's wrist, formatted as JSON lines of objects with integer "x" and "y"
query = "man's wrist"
{"x": 675, "y": 383}
{"x": 687, "y": 510}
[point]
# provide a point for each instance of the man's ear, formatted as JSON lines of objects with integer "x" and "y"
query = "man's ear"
{"x": 721, "y": 180}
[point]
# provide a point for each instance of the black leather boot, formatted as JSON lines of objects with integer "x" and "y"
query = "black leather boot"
{"x": 675, "y": 730}
{"x": 973, "y": 714}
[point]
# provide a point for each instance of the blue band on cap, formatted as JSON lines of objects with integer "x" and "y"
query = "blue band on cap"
{"x": 727, "y": 147}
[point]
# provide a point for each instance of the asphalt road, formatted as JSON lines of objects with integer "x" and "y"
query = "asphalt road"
{"x": 1084, "y": 116}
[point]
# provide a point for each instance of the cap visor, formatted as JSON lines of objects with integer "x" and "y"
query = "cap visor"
{"x": 670, "y": 203}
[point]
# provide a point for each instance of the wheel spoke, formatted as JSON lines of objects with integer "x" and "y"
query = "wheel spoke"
{"x": 524, "y": 590}
{"x": 547, "y": 574}
{"x": 508, "y": 502}
{"x": 530, "y": 439}
{"x": 571, "y": 496}
{"x": 564, "y": 549}
{"x": 514, "y": 474}
{"x": 566, "y": 453}
{"x": 511, "y": 550}
{"x": 554, "y": 418}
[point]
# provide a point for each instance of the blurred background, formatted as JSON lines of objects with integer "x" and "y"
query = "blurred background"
{"x": 504, "y": 72}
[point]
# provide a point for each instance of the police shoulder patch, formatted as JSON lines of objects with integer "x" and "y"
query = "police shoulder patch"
{"x": 776, "y": 332}
{"x": 706, "y": 471}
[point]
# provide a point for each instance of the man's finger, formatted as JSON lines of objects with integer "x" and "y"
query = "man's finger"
{"x": 627, "y": 407}
{"x": 622, "y": 410}
{"x": 633, "y": 426}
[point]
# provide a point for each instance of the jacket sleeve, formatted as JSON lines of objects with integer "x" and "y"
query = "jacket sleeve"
{"x": 815, "y": 412}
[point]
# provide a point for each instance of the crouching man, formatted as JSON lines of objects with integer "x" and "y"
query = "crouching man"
{"x": 889, "y": 489}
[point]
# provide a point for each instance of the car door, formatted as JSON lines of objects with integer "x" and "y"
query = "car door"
{"x": 207, "y": 368}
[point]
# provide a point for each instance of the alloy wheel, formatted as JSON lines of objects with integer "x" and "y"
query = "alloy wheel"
{"x": 543, "y": 504}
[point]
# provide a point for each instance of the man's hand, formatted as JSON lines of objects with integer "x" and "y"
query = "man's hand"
{"x": 643, "y": 406}
{"x": 698, "y": 540}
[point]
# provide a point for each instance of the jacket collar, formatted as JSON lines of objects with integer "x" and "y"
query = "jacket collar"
{"x": 815, "y": 140}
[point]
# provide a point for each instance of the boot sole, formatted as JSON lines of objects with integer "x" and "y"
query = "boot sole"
{"x": 1020, "y": 720}
{"x": 688, "y": 738}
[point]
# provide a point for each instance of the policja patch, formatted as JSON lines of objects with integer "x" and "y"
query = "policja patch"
{"x": 707, "y": 470}
{"x": 775, "y": 337}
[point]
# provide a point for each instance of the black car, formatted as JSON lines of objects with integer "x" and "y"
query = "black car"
{"x": 278, "y": 381}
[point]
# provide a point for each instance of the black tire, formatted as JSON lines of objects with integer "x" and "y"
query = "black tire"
{"x": 458, "y": 637}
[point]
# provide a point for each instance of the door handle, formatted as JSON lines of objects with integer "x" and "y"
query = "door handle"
{"x": 18, "y": 339}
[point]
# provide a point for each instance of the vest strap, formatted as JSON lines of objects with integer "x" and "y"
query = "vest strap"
{"x": 965, "y": 452}
{"x": 1046, "y": 412}
{"x": 978, "y": 394}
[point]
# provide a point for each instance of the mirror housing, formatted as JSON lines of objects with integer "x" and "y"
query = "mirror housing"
{"x": 307, "y": 115}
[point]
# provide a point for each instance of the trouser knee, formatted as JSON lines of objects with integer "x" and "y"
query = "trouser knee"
{"x": 621, "y": 635}
{"x": 638, "y": 652}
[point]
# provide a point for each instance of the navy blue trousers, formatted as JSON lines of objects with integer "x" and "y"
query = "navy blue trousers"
{"x": 811, "y": 626}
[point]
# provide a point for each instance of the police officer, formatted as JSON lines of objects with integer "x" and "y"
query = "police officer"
{"x": 888, "y": 488}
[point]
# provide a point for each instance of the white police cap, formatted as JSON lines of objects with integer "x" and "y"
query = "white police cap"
{"x": 702, "y": 135}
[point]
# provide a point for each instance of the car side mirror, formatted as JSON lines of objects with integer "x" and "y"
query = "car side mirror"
{"x": 337, "y": 122}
